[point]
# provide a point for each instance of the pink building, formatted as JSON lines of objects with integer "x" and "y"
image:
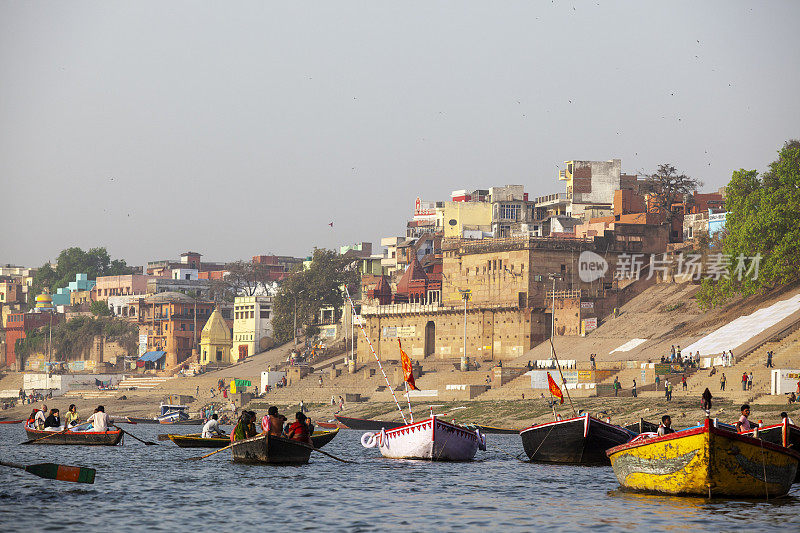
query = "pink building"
{"x": 121, "y": 285}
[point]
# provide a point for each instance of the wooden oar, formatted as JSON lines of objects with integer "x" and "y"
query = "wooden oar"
{"x": 146, "y": 442}
{"x": 163, "y": 436}
{"x": 210, "y": 454}
{"x": 328, "y": 454}
{"x": 45, "y": 437}
{"x": 78, "y": 474}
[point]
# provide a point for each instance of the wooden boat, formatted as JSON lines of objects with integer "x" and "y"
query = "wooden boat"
{"x": 329, "y": 425}
{"x": 430, "y": 439}
{"x": 269, "y": 449}
{"x": 85, "y": 438}
{"x": 366, "y": 425}
{"x": 319, "y": 438}
{"x": 705, "y": 461}
{"x": 182, "y": 422}
{"x": 138, "y": 420}
{"x": 377, "y": 425}
{"x": 580, "y": 440}
{"x": 11, "y": 421}
{"x": 783, "y": 434}
{"x": 642, "y": 426}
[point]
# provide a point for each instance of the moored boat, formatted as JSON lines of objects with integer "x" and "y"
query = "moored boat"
{"x": 705, "y": 461}
{"x": 642, "y": 426}
{"x": 11, "y": 421}
{"x": 783, "y": 434}
{"x": 319, "y": 438}
{"x": 269, "y": 449}
{"x": 362, "y": 424}
{"x": 84, "y": 438}
{"x": 580, "y": 440}
{"x": 431, "y": 439}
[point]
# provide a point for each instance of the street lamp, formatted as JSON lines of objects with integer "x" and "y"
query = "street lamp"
{"x": 553, "y": 277}
{"x": 465, "y": 296}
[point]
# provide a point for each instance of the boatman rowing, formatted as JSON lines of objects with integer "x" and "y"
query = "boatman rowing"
{"x": 211, "y": 428}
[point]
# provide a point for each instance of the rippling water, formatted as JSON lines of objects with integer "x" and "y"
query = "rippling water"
{"x": 153, "y": 487}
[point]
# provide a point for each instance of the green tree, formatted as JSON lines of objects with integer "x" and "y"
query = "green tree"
{"x": 320, "y": 286}
{"x": 100, "y": 308}
{"x": 72, "y": 261}
{"x": 763, "y": 220}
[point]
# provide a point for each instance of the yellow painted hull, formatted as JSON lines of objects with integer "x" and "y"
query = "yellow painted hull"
{"x": 706, "y": 462}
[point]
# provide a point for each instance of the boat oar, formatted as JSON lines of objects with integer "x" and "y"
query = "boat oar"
{"x": 329, "y": 455}
{"x": 45, "y": 437}
{"x": 209, "y": 454}
{"x": 78, "y": 474}
{"x": 146, "y": 442}
{"x": 163, "y": 436}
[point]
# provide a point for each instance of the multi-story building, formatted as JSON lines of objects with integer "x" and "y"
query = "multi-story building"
{"x": 11, "y": 292}
{"x": 21, "y": 275}
{"x": 507, "y": 286}
{"x": 62, "y": 295}
{"x": 126, "y": 285}
{"x": 194, "y": 287}
{"x": 171, "y": 322}
{"x": 591, "y": 185}
{"x": 16, "y": 328}
{"x": 189, "y": 260}
{"x": 252, "y": 325}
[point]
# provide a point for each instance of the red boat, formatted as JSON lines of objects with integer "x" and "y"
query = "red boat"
{"x": 11, "y": 421}
{"x": 85, "y": 438}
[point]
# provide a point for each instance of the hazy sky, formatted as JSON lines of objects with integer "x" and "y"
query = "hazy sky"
{"x": 243, "y": 128}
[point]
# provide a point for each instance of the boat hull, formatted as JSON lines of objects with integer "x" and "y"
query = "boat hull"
{"x": 777, "y": 435}
{"x": 366, "y": 425}
{"x": 705, "y": 461}
{"x": 81, "y": 438}
{"x": 272, "y": 450}
{"x": 431, "y": 439}
{"x": 582, "y": 440}
{"x": 319, "y": 439}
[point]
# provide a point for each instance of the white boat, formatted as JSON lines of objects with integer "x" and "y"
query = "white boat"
{"x": 431, "y": 439}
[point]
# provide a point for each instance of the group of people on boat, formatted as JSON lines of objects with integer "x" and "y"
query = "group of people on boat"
{"x": 43, "y": 420}
{"x": 272, "y": 423}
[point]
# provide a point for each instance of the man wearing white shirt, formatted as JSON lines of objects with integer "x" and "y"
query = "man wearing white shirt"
{"x": 100, "y": 420}
{"x": 211, "y": 428}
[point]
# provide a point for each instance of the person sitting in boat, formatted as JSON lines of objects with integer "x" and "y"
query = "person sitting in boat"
{"x": 39, "y": 418}
{"x": 245, "y": 427}
{"x": 744, "y": 424}
{"x": 71, "y": 418}
{"x": 785, "y": 416}
{"x": 272, "y": 422}
{"x": 211, "y": 428}
{"x": 299, "y": 429}
{"x": 53, "y": 420}
{"x": 100, "y": 420}
{"x": 665, "y": 428}
{"x": 31, "y": 422}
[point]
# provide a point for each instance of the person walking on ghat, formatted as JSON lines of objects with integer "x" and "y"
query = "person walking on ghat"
{"x": 769, "y": 360}
{"x": 750, "y": 381}
{"x": 705, "y": 402}
{"x": 722, "y": 381}
{"x": 669, "y": 392}
{"x": 616, "y": 386}
{"x": 683, "y": 381}
{"x": 633, "y": 389}
{"x": 744, "y": 381}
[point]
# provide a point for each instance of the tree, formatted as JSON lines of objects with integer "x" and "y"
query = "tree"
{"x": 670, "y": 187}
{"x": 246, "y": 278}
{"x": 320, "y": 286}
{"x": 100, "y": 308}
{"x": 763, "y": 220}
{"x": 72, "y": 261}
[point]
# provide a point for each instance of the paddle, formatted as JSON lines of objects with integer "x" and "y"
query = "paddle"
{"x": 328, "y": 454}
{"x": 145, "y": 442}
{"x": 209, "y": 454}
{"x": 78, "y": 474}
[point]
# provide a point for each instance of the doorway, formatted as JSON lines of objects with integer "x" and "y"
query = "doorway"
{"x": 430, "y": 338}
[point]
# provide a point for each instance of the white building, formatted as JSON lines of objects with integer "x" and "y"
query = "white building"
{"x": 252, "y": 326}
{"x": 184, "y": 273}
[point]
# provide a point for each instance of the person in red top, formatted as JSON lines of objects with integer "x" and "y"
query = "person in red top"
{"x": 299, "y": 429}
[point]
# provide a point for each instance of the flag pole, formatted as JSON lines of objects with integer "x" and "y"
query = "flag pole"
{"x": 361, "y": 327}
{"x": 408, "y": 399}
{"x": 552, "y": 402}
{"x": 563, "y": 381}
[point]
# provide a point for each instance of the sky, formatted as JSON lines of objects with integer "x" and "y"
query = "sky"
{"x": 244, "y": 128}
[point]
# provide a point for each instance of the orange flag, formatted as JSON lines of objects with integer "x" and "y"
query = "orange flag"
{"x": 554, "y": 390}
{"x": 408, "y": 373}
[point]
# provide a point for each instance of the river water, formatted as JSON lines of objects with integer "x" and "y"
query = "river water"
{"x": 154, "y": 488}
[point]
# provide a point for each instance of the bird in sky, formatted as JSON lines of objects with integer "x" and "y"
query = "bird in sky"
{"x": 330, "y": 224}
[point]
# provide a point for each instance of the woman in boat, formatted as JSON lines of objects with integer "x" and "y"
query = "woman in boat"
{"x": 32, "y": 419}
{"x": 245, "y": 427}
{"x": 53, "y": 420}
{"x": 299, "y": 429}
{"x": 71, "y": 418}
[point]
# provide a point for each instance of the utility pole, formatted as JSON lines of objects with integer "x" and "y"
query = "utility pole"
{"x": 553, "y": 277}
{"x": 465, "y": 294}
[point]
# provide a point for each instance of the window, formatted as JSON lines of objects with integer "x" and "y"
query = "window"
{"x": 264, "y": 314}
{"x": 505, "y": 230}
{"x": 510, "y": 211}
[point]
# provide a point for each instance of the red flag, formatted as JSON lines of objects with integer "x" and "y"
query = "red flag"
{"x": 554, "y": 390}
{"x": 408, "y": 372}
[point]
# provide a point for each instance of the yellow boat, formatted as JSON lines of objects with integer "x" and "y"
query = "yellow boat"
{"x": 706, "y": 460}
